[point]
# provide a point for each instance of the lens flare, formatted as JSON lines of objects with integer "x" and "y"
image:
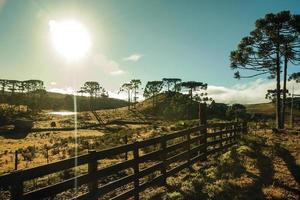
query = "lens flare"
{"x": 70, "y": 38}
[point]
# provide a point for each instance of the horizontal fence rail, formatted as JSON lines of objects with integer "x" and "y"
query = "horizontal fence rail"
{"x": 148, "y": 163}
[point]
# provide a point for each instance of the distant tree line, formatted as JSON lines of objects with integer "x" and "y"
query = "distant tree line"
{"x": 172, "y": 86}
{"x": 32, "y": 93}
{"x": 170, "y": 97}
{"x": 29, "y": 92}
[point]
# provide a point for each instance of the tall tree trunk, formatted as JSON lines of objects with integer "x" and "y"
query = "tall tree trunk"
{"x": 134, "y": 101}
{"x": 91, "y": 103}
{"x": 284, "y": 91}
{"x": 278, "y": 106}
{"x": 128, "y": 99}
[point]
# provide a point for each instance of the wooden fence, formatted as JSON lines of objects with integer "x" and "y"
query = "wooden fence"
{"x": 148, "y": 163}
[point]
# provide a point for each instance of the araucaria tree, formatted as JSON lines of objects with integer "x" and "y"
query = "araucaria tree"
{"x": 172, "y": 84}
{"x": 152, "y": 89}
{"x": 135, "y": 86}
{"x": 93, "y": 89}
{"x": 295, "y": 76}
{"x": 275, "y": 39}
{"x": 193, "y": 86}
{"x": 127, "y": 87}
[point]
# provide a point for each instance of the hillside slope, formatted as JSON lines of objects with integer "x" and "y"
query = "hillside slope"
{"x": 269, "y": 109}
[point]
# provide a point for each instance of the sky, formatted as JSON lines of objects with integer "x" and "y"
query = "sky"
{"x": 148, "y": 40}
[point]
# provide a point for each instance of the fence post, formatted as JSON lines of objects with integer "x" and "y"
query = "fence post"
{"x": 16, "y": 160}
{"x": 136, "y": 170}
{"x": 164, "y": 158}
{"x": 92, "y": 169}
{"x": 17, "y": 188}
{"x": 203, "y": 122}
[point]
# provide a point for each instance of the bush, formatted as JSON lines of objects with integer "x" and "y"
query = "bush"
{"x": 174, "y": 196}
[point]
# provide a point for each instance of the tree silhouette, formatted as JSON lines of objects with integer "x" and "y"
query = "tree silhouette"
{"x": 295, "y": 76}
{"x": 172, "y": 82}
{"x": 152, "y": 89}
{"x": 135, "y": 86}
{"x": 261, "y": 52}
{"x": 12, "y": 86}
{"x": 93, "y": 89}
{"x": 236, "y": 111}
{"x": 127, "y": 87}
{"x": 103, "y": 93}
{"x": 290, "y": 49}
{"x": 193, "y": 86}
{"x": 3, "y": 83}
{"x": 21, "y": 87}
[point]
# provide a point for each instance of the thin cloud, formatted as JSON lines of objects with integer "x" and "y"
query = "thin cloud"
{"x": 107, "y": 65}
{"x": 133, "y": 57}
{"x": 248, "y": 93}
{"x": 123, "y": 95}
{"x": 68, "y": 90}
{"x": 118, "y": 72}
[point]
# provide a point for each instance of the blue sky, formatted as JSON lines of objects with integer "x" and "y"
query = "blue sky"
{"x": 165, "y": 38}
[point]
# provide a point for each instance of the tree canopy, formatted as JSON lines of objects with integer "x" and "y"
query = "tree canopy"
{"x": 275, "y": 37}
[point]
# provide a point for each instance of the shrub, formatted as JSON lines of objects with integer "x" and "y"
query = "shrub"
{"x": 174, "y": 196}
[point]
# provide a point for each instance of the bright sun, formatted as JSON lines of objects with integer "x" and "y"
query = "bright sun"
{"x": 70, "y": 38}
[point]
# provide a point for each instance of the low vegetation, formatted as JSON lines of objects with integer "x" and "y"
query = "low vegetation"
{"x": 259, "y": 167}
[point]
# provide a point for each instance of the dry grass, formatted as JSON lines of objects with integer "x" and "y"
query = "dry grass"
{"x": 262, "y": 166}
{"x": 38, "y": 141}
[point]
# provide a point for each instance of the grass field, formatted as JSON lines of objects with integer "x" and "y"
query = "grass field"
{"x": 262, "y": 166}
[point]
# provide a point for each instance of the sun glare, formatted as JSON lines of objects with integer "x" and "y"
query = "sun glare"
{"x": 70, "y": 38}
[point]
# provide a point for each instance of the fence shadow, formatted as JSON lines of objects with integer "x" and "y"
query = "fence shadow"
{"x": 12, "y": 134}
{"x": 265, "y": 167}
{"x": 290, "y": 161}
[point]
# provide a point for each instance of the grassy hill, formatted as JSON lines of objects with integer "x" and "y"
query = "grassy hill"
{"x": 261, "y": 108}
{"x": 58, "y": 101}
{"x": 269, "y": 109}
{"x": 168, "y": 105}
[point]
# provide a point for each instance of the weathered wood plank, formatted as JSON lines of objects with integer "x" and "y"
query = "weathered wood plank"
{"x": 149, "y": 142}
{"x": 115, "y": 184}
{"x": 177, "y": 169}
{"x": 150, "y": 169}
{"x": 177, "y": 157}
{"x": 154, "y": 182}
{"x": 182, "y": 133}
{"x": 184, "y": 152}
{"x": 54, "y": 189}
{"x": 150, "y": 156}
{"x": 177, "y": 146}
{"x": 114, "y": 168}
{"x": 31, "y": 173}
{"x": 125, "y": 195}
{"x": 114, "y": 151}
